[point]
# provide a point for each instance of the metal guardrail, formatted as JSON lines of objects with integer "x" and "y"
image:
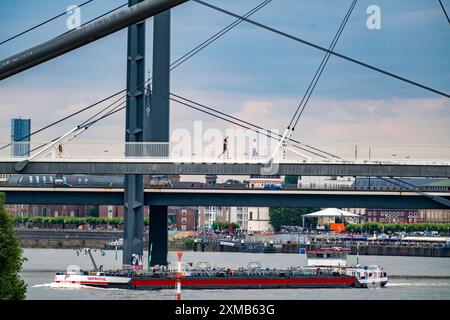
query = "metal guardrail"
{"x": 240, "y": 152}
{"x": 26, "y": 186}
{"x": 67, "y": 235}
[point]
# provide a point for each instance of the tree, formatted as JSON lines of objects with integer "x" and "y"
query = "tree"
{"x": 94, "y": 212}
{"x": 224, "y": 225}
{"x": 281, "y": 216}
{"x": 12, "y": 287}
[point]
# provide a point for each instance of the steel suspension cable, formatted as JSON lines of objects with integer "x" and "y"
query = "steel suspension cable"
{"x": 445, "y": 12}
{"x": 42, "y": 23}
{"x": 184, "y": 58}
{"x": 308, "y": 43}
{"x": 98, "y": 17}
{"x": 63, "y": 119}
{"x": 100, "y": 112}
{"x": 215, "y": 113}
{"x": 323, "y": 64}
{"x": 175, "y": 64}
{"x": 438, "y": 199}
{"x": 199, "y": 107}
{"x": 251, "y": 124}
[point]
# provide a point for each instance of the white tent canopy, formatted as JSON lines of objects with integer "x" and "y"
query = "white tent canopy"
{"x": 331, "y": 212}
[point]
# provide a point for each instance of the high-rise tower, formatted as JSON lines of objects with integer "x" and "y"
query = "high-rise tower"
{"x": 20, "y": 137}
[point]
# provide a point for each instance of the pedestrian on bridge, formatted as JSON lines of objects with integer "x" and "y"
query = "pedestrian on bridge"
{"x": 254, "y": 149}
{"x": 225, "y": 148}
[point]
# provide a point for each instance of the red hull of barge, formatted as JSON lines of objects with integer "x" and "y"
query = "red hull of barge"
{"x": 245, "y": 283}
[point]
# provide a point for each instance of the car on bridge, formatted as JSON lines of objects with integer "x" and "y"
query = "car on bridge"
{"x": 273, "y": 186}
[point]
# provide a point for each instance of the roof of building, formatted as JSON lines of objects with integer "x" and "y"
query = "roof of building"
{"x": 404, "y": 183}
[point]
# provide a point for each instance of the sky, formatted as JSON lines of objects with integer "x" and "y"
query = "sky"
{"x": 250, "y": 73}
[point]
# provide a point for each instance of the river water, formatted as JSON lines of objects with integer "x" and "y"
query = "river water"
{"x": 410, "y": 277}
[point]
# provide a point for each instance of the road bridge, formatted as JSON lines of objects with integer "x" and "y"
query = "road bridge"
{"x": 228, "y": 197}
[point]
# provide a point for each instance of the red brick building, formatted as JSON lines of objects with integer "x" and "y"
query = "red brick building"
{"x": 115, "y": 211}
{"x": 186, "y": 218}
{"x": 182, "y": 218}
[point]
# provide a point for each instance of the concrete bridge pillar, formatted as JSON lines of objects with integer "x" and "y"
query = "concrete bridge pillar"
{"x": 158, "y": 127}
{"x": 133, "y": 243}
{"x": 158, "y": 240}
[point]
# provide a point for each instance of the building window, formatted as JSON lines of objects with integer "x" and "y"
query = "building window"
{"x": 251, "y": 215}
{"x": 183, "y": 220}
{"x": 183, "y": 212}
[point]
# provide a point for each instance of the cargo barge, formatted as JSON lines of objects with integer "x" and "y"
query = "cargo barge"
{"x": 326, "y": 269}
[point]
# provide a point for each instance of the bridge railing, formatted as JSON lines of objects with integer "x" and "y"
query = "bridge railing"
{"x": 214, "y": 152}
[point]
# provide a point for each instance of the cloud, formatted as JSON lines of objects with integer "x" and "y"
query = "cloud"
{"x": 259, "y": 77}
{"x": 412, "y": 121}
{"x": 399, "y": 120}
{"x": 378, "y": 121}
{"x": 417, "y": 17}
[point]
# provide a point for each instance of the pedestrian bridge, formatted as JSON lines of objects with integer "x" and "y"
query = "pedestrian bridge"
{"x": 203, "y": 158}
{"x": 242, "y": 152}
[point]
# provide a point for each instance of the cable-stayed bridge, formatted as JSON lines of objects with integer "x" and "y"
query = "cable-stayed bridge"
{"x": 147, "y": 149}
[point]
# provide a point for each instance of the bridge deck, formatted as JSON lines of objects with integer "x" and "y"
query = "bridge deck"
{"x": 227, "y": 197}
{"x": 150, "y": 166}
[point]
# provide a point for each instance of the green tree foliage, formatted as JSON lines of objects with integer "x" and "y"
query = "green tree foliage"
{"x": 77, "y": 221}
{"x": 223, "y": 225}
{"x": 189, "y": 244}
{"x": 94, "y": 212}
{"x": 281, "y": 216}
{"x": 397, "y": 227}
{"x": 12, "y": 287}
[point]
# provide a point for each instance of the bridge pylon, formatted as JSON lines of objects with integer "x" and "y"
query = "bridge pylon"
{"x": 158, "y": 127}
{"x": 133, "y": 242}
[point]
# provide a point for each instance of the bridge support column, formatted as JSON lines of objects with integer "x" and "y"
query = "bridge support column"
{"x": 158, "y": 235}
{"x": 160, "y": 106}
{"x": 133, "y": 243}
{"x": 159, "y": 128}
